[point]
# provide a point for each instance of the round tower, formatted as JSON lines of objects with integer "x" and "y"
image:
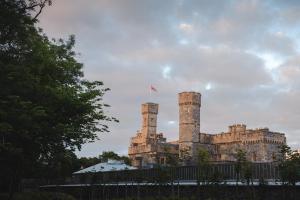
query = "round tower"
{"x": 189, "y": 122}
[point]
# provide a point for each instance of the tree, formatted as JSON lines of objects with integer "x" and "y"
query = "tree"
{"x": 289, "y": 165}
{"x": 61, "y": 166}
{"x": 171, "y": 159}
{"x": 203, "y": 166}
{"x": 203, "y": 163}
{"x": 46, "y": 105}
{"x": 106, "y": 155}
{"x": 126, "y": 160}
{"x": 85, "y": 162}
{"x": 242, "y": 166}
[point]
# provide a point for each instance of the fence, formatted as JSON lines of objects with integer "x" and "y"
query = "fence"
{"x": 224, "y": 171}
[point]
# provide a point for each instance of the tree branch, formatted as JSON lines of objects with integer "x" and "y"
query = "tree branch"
{"x": 41, "y": 4}
{"x": 30, "y": 7}
{"x": 40, "y": 10}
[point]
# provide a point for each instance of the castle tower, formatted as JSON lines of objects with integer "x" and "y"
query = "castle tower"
{"x": 189, "y": 122}
{"x": 149, "y": 124}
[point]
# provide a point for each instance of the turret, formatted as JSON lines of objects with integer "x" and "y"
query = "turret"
{"x": 149, "y": 124}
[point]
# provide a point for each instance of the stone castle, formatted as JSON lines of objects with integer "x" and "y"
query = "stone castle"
{"x": 149, "y": 148}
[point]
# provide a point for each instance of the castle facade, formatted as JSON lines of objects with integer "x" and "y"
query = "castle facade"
{"x": 149, "y": 148}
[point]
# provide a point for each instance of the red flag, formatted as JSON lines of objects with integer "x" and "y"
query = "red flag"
{"x": 153, "y": 88}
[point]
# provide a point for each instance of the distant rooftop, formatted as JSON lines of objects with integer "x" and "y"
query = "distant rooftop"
{"x": 110, "y": 165}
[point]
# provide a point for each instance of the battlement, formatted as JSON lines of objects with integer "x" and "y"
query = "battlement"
{"x": 265, "y": 129}
{"x": 205, "y": 138}
{"x": 189, "y": 98}
{"x": 237, "y": 128}
{"x": 150, "y": 108}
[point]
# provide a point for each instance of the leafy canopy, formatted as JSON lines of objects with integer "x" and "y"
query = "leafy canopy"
{"x": 289, "y": 165}
{"x": 46, "y": 105}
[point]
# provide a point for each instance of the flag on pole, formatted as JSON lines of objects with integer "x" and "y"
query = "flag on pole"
{"x": 153, "y": 88}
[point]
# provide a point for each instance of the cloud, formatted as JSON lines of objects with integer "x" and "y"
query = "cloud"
{"x": 166, "y": 72}
{"x": 186, "y": 27}
{"x": 243, "y": 56}
{"x": 279, "y": 44}
{"x": 290, "y": 72}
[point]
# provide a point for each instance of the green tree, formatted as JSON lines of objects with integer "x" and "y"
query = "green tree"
{"x": 85, "y": 162}
{"x": 46, "y": 105}
{"x": 242, "y": 166}
{"x": 203, "y": 168}
{"x": 203, "y": 157}
{"x": 126, "y": 160}
{"x": 171, "y": 159}
{"x": 61, "y": 166}
{"x": 106, "y": 155}
{"x": 289, "y": 165}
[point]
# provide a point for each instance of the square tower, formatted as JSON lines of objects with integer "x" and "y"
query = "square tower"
{"x": 149, "y": 123}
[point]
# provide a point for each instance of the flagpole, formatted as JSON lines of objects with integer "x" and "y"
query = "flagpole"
{"x": 150, "y": 93}
{"x": 152, "y": 89}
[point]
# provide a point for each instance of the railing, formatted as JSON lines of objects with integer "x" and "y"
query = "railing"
{"x": 224, "y": 171}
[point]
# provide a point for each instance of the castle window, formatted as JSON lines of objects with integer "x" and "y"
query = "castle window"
{"x": 273, "y": 156}
{"x": 162, "y": 161}
{"x": 254, "y": 156}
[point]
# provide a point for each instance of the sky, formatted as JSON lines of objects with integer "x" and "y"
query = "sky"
{"x": 242, "y": 56}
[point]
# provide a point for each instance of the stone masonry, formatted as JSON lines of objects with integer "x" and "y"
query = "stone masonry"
{"x": 189, "y": 123}
{"x": 149, "y": 148}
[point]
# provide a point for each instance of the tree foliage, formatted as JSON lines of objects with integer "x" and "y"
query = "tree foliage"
{"x": 289, "y": 165}
{"x": 171, "y": 159}
{"x": 203, "y": 164}
{"x": 47, "y": 108}
{"x": 85, "y": 162}
{"x": 242, "y": 167}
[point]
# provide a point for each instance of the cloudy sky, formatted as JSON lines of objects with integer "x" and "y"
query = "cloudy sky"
{"x": 243, "y": 56}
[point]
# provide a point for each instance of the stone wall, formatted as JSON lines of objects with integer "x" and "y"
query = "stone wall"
{"x": 260, "y": 145}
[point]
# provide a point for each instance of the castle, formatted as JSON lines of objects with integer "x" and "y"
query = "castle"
{"x": 149, "y": 148}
